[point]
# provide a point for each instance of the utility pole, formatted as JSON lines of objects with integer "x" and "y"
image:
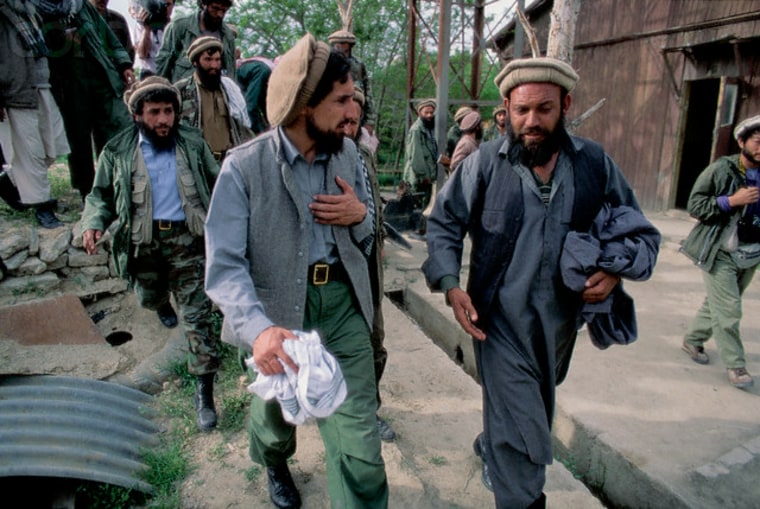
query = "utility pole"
{"x": 442, "y": 83}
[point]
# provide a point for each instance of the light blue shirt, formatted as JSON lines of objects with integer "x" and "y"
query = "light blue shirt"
{"x": 162, "y": 169}
{"x": 311, "y": 181}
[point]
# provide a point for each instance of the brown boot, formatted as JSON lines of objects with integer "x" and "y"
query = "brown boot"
{"x": 739, "y": 378}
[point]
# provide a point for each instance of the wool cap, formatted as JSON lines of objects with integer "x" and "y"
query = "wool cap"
{"x": 295, "y": 78}
{"x": 536, "y": 70}
{"x": 138, "y": 90}
{"x": 499, "y": 109}
{"x": 461, "y": 113}
{"x": 359, "y": 95}
{"x": 201, "y": 44}
{"x": 745, "y": 126}
{"x": 470, "y": 121}
{"x": 341, "y": 36}
{"x": 423, "y": 103}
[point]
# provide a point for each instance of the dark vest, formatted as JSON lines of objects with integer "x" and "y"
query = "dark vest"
{"x": 497, "y": 215}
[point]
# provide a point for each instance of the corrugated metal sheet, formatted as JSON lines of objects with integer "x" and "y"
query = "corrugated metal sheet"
{"x": 55, "y": 426}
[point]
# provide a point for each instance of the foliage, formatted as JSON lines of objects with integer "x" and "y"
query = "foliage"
{"x": 168, "y": 465}
{"x": 269, "y": 28}
{"x": 106, "y": 496}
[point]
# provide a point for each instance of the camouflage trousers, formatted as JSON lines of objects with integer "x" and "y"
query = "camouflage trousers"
{"x": 174, "y": 263}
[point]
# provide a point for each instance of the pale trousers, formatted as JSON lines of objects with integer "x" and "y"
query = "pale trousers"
{"x": 721, "y": 311}
{"x": 37, "y": 139}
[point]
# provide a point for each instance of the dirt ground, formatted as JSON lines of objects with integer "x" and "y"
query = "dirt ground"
{"x": 432, "y": 404}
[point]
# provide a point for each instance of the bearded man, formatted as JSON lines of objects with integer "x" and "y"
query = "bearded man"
{"x": 499, "y": 126}
{"x": 518, "y": 198}
{"x": 172, "y": 62}
{"x": 211, "y": 102}
{"x": 154, "y": 180}
{"x": 421, "y": 154}
{"x": 288, "y": 239}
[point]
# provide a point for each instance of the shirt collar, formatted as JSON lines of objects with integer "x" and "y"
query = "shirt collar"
{"x": 290, "y": 151}
{"x": 144, "y": 141}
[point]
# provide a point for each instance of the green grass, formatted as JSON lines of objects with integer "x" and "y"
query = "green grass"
{"x": 169, "y": 463}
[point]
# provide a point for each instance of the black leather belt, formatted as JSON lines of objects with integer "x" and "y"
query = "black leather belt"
{"x": 322, "y": 273}
{"x": 165, "y": 225}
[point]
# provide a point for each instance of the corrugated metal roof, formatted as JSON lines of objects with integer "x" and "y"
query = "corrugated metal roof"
{"x": 56, "y": 426}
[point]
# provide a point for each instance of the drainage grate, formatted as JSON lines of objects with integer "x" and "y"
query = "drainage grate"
{"x": 56, "y": 426}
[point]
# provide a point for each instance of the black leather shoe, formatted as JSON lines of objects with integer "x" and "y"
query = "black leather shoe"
{"x": 204, "y": 402}
{"x": 282, "y": 489}
{"x": 484, "y": 476}
{"x": 167, "y": 316}
{"x": 45, "y": 215}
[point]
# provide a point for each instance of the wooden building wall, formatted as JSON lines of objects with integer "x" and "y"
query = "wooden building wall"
{"x": 642, "y": 58}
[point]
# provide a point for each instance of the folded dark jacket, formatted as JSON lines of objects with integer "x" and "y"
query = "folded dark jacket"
{"x": 621, "y": 241}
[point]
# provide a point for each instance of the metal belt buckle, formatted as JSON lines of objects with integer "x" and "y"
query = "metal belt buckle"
{"x": 164, "y": 226}
{"x": 321, "y": 274}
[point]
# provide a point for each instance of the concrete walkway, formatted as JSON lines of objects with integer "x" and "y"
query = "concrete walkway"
{"x": 642, "y": 424}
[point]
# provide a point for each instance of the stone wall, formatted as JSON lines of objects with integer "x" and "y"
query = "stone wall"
{"x": 43, "y": 263}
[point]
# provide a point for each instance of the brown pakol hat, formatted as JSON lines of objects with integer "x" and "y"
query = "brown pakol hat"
{"x": 341, "y": 36}
{"x": 358, "y": 95}
{"x": 138, "y": 90}
{"x": 470, "y": 121}
{"x": 536, "y": 70}
{"x": 201, "y": 44}
{"x": 294, "y": 79}
{"x": 461, "y": 113}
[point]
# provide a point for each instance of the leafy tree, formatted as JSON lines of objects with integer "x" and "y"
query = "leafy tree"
{"x": 270, "y": 27}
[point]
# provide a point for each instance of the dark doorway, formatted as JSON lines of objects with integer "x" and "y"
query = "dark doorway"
{"x": 698, "y": 136}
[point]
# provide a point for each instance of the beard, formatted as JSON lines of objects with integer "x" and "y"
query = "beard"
{"x": 536, "y": 154}
{"x": 326, "y": 141}
{"x": 750, "y": 157}
{"x": 429, "y": 124}
{"x": 211, "y": 24}
{"x": 159, "y": 142}
{"x": 208, "y": 80}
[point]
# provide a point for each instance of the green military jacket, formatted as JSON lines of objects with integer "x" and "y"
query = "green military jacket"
{"x": 111, "y": 196}
{"x": 703, "y": 242}
{"x": 172, "y": 62}
{"x": 87, "y": 32}
{"x": 421, "y": 155}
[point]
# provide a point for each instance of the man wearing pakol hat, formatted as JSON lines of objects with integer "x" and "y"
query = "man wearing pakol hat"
{"x": 344, "y": 41}
{"x": 154, "y": 181}
{"x": 498, "y": 128}
{"x": 725, "y": 244}
{"x": 472, "y": 132}
{"x": 289, "y": 234}
{"x": 211, "y": 102}
{"x": 172, "y": 61}
{"x": 517, "y": 198}
{"x": 421, "y": 154}
{"x": 454, "y": 134}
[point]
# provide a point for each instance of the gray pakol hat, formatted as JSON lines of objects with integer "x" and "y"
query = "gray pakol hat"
{"x": 745, "y": 126}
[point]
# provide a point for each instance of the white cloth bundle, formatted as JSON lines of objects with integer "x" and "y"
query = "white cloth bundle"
{"x": 316, "y": 391}
{"x": 236, "y": 101}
